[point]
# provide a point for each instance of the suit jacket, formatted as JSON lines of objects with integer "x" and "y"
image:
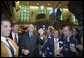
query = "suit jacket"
{"x": 48, "y": 48}
{"x": 4, "y": 51}
{"x": 32, "y": 47}
{"x": 19, "y": 42}
{"x": 66, "y": 47}
{"x": 19, "y": 38}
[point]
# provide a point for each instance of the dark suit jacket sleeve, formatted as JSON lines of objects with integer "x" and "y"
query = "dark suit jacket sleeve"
{"x": 74, "y": 40}
{"x": 39, "y": 40}
{"x": 22, "y": 43}
{"x": 44, "y": 48}
{"x": 11, "y": 36}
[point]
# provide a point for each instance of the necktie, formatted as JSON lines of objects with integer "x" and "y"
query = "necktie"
{"x": 31, "y": 38}
{"x": 11, "y": 48}
{"x": 16, "y": 39}
{"x": 55, "y": 53}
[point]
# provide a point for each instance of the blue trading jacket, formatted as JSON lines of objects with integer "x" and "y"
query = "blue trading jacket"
{"x": 49, "y": 47}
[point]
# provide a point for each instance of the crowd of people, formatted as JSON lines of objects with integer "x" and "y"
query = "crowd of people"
{"x": 39, "y": 43}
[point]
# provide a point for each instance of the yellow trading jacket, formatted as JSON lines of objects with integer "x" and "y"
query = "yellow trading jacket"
{"x": 4, "y": 51}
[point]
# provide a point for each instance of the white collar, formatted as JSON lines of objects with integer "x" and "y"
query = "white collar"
{"x": 49, "y": 36}
{"x": 14, "y": 33}
{"x": 68, "y": 38}
{"x": 56, "y": 39}
{"x": 30, "y": 34}
{"x": 3, "y": 38}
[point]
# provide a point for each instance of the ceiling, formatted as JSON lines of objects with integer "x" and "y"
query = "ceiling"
{"x": 62, "y": 4}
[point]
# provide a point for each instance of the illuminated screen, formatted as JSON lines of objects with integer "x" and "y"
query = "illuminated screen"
{"x": 44, "y": 27}
{"x": 50, "y": 12}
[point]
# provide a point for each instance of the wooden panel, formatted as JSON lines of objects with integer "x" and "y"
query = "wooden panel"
{"x": 63, "y": 4}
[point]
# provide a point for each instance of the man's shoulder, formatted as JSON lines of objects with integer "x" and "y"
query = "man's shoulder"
{"x": 50, "y": 41}
{"x": 73, "y": 39}
{"x": 2, "y": 44}
{"x": 10, "y": 35}
{"x": 25, "y": 34}
{"x": 11, "y": 40}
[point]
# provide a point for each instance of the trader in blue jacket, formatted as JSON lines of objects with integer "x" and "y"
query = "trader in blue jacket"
{"x": 53, "y": 46}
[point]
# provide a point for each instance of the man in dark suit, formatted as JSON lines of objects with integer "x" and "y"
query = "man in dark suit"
{"x": 69, "y": 44}
{"x": 15, "y": 35}
{"x": 30, "y": 40}
{"x": 53, "y": 46}
{"x": 14, "y": 32}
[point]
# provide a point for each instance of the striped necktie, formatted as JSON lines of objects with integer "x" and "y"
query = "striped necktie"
{"x": 55, "y": 44}
{"x": 11, "y": 48}
{"x": 16, "y": 39}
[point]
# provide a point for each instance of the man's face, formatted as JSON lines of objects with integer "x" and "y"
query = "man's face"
{"x": 48, "y": 32}
{"x": 5, "y": 28}
{"x": 15, "y": 28}
{"x": 66, "y": 31}
{"x": 56, "y": 34}
{"x": 74, "y": 32}
{"x": 31, "y": 28}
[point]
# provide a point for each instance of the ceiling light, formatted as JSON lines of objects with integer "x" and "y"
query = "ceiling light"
{"x": 37, "y": 3}
{"x": 19, "y": 6}
{"x": 24, "y": 10}
{"x": 42, "y": 7}
{"x": 48, "y": 3}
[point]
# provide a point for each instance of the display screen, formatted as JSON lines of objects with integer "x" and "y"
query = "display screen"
{"x": 50, "y": 12}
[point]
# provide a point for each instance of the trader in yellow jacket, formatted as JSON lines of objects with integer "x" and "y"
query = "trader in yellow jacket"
{"x": 8, "y": 48}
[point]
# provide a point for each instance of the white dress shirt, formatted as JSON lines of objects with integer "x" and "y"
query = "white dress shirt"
{"x": 13, "y": 35}
{"x": 3, "y": 39}
{"x": 68, "y": 38}
{"x": 41, "y": 37}
{"x": 49, "y": 36}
